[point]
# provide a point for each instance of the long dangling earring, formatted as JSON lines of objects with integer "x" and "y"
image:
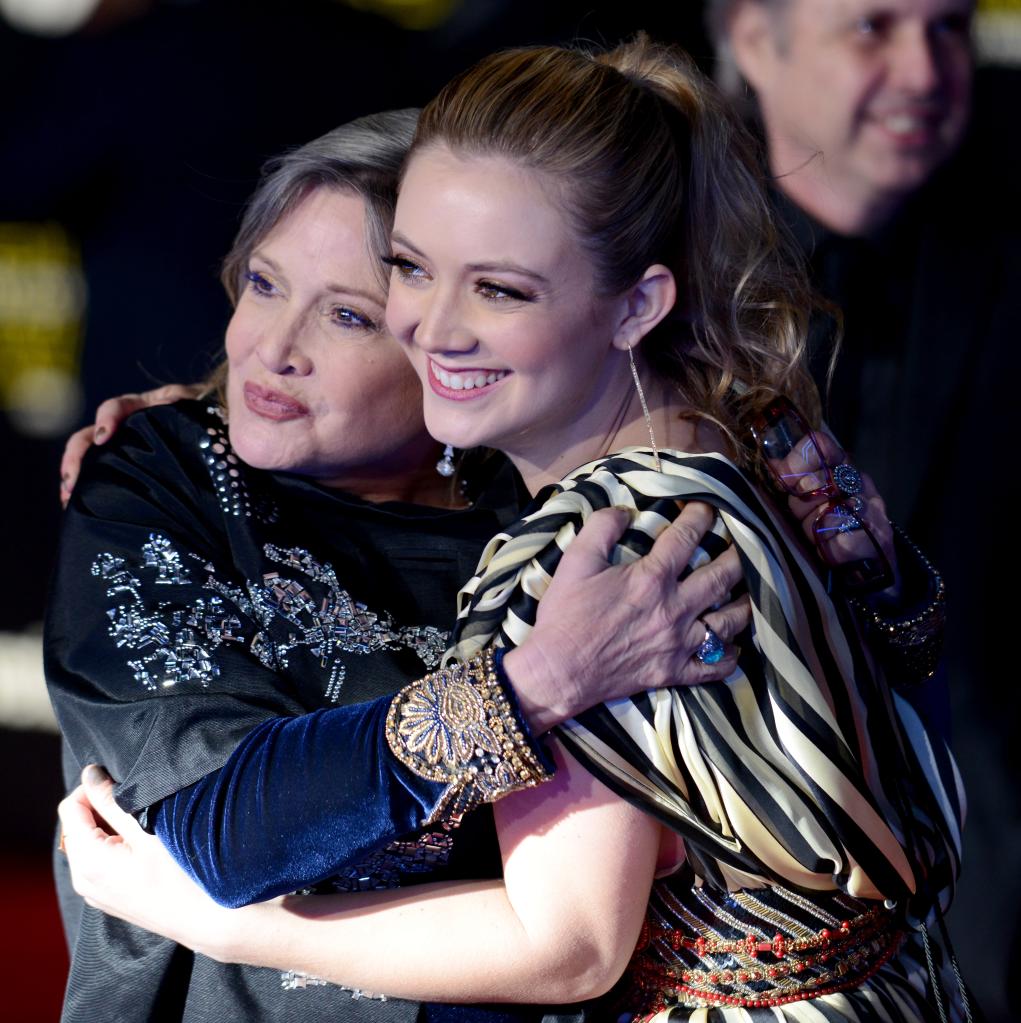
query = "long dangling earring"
{"x": 445, "y": 466}
{"x": 645, "y": 408}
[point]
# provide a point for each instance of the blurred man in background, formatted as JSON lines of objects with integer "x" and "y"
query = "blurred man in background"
{"x": 912, "y": 231}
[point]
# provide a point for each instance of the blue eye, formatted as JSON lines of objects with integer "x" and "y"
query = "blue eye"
{"x": 351, "y": 319}
{"x": 258, "y": 283}
{"x": 872, "y": 25}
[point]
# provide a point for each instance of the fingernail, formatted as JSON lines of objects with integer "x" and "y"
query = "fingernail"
{"x": 101, "y": 432}
{"x": 94, "y": 775}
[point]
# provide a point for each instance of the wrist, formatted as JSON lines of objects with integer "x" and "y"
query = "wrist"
{"x": 534, "y": 684}
{"x": 908, "y": 628}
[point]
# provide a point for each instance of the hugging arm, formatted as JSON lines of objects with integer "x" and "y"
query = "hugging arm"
{"x": 217, "y": 828}
{"x": 560, "y": 926}
{"x": 135, "y": 567}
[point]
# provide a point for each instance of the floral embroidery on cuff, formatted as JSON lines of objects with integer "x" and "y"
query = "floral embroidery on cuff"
{"x": 458, "y": 725}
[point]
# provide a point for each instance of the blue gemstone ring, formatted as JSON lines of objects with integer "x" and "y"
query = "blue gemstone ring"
{"x": 711, "y": 649}
{"x": 848, "y": 479}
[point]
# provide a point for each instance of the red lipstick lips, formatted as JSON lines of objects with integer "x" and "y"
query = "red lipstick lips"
{"x": 273, "y": 404}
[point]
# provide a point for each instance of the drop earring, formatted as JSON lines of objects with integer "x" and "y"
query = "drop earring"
{"x": 645, "y": 408}
{"x": 445, "y": 466}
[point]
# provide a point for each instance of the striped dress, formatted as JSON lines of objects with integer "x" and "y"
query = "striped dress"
{"x": 821, "y": 819}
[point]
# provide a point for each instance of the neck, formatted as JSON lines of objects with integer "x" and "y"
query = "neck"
{"x": 845, "y": 207}
{"x": 418, "y": 483}
{"x": 616, "y": 421}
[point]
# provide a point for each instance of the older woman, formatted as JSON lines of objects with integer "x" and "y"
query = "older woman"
{"x": 295, "y": 549}
{"x": 554, "y": 207}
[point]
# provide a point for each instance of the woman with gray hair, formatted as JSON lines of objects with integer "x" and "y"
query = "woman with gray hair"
{"x": 245, "y": 580}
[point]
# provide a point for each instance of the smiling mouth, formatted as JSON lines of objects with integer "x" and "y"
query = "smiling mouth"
{"x": 910, "y": 128}
{"x": 273, "y": 404}
{"x": 465, "y": 383}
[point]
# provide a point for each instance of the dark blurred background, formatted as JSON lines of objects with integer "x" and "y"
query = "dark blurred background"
{"x": 132, "y": 133}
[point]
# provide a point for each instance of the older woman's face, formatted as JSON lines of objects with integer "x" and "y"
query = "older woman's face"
{"x": 316, "y": 384}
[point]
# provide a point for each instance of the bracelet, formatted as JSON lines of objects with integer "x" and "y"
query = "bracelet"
{"x": 459, "y": 726}
{"x": 910, "y": 644}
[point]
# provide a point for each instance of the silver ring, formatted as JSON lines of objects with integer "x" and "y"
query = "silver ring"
{"x": 848, "y": 479}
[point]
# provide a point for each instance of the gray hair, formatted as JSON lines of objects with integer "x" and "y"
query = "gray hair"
{"x": 363, "y": 157}
{"x": 717, "y": 20}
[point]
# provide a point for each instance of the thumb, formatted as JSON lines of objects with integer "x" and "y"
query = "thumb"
{"x": 98, "y": 787}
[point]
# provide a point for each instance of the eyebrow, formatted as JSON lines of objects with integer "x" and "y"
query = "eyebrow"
{"x": 344, "y": 289}
{"x": 494, "y": 266}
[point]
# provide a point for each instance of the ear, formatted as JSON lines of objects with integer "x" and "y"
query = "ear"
{"x": 752, "y": 32}
{"x": 645, "y": 305}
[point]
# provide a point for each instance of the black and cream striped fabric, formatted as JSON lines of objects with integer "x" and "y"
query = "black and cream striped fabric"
{"x": 803, "y": 768}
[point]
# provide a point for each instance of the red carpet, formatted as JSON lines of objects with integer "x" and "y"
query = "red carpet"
{"x": 33, "y": 956}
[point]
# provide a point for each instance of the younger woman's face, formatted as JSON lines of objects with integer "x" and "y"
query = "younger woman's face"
{"x": 316, "y": 384}
{"x": 497, "y": 306}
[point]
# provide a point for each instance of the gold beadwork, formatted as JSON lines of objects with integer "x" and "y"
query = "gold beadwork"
{"x": 458, "y": 725}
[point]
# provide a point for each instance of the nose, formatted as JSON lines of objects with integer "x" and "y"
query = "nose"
{"x": 443, "y": 325}
{"x": 281, "y": 347}
{"x": 915, "y": 63}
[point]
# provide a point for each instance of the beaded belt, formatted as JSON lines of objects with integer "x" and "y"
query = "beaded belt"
{"x": 673, "y": 966}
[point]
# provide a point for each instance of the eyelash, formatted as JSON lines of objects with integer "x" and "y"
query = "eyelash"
{"x": 406, "y": 269}
{"x": 343, "y": 316}
{"x": 410, "y": 272}
{"x": 258, "y": 284}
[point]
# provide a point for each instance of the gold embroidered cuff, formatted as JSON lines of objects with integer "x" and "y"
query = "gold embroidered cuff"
{"x": 459, "y": 725}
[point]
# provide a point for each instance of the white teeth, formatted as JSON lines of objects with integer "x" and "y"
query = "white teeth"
{"x": 903, "y": 124}
{"x": 467, "y": 381}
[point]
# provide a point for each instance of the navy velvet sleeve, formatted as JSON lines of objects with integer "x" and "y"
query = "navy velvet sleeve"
{"x": 297, "y": 800}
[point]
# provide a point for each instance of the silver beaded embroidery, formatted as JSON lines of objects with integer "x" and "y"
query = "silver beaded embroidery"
{"x": 383, "y": 869}
{"x": 225, "y": 472}
{"x": 335, "y": 624}
{"x": 296, "y": 980}
{"x": 178, "y": 641}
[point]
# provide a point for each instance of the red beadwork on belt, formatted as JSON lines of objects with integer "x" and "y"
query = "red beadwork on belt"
{"x": 828, "y": 961}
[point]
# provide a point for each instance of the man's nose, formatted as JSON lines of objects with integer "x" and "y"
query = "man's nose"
{"x": 915, "y": 63}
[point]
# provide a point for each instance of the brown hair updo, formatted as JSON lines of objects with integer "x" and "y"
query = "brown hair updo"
{"x": 651, "y": 166}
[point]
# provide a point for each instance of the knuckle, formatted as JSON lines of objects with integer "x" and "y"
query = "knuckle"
{"x": 686, "y": 533}
{"x": 699, "y": 513}
{"x": 719, "y": 580}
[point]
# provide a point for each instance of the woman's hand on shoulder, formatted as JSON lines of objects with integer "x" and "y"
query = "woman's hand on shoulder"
{"x": 109, "y": 416}
{"x": 605, "y": 631}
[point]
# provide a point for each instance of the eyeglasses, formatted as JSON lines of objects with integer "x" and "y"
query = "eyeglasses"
{"x": 798, "y": 466}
